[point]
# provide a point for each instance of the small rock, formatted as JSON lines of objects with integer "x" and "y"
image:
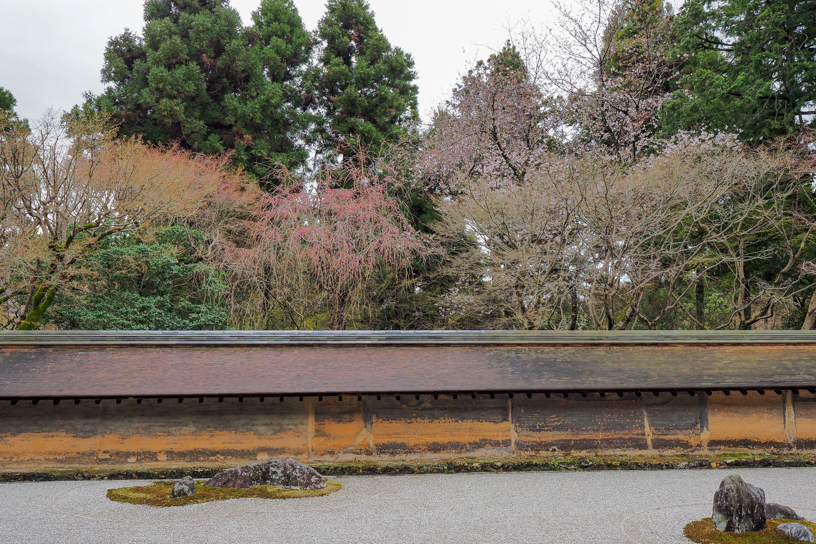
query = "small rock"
{"x": 739, "y": 507}
{"x": 797, "y": 531}
{"x": 778, "y": 511}
{"x": 185, "y": 486}
{"x": 285, "y": 472}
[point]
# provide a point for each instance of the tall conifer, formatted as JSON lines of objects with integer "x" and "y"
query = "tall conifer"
{"x": 750, "y": 66}
{"x": 196, "y": 76}
{"x": 362, "y": 86}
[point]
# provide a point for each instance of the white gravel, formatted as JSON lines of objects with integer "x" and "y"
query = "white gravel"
{"x": 646, "y": 507}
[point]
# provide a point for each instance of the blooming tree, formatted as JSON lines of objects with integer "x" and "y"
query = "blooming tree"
{"x": 495, "y": 125}
{"x": 316, "y": 253}
{"x": 68, "y": 184}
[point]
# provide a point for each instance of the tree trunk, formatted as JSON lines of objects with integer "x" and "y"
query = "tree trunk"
{"x": 810, "y": 317}
{"x": 42, "y": 300}
{"x": 574, "y": 305}
{"x": 699, "y": 303}
{"x": 746, "y": 297}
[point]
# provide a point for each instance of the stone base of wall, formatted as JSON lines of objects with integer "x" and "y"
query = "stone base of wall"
{"x": 657, "y": 461}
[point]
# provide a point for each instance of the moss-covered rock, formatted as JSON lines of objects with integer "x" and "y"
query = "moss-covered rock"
{"x": 702, "y": 531}
{"x": 160, "y": 494}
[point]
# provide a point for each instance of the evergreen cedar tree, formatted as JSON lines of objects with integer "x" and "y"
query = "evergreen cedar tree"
{"x": 749, "y": 66}
{"x": 199, "y": 78}
{"x": 362, "y": 86}
{"x": 7, "y": 101}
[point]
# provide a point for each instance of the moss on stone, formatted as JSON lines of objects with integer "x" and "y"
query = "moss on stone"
{"x": 568, "y": 463}
{"x": 703, "y": 532}
{"x": 159, "y": 494}
{"x": 558, "y": 462}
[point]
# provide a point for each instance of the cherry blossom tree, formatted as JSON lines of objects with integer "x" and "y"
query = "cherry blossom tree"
{"x": 316, "y": 253}
{"x": 495, "y": 125}
{"x": 611, "y": 68}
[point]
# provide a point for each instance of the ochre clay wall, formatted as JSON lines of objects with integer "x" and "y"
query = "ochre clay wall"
{"x": 212, "y": 432}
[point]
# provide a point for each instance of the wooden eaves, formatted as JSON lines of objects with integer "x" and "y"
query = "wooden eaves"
{"x": 207, "y": 364}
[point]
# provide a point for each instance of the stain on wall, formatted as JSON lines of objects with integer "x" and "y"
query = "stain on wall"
{"x": 428, "y": 425}
{"x": 748, "y": 421}
{"x": 804, "y": 413}
{"x": 675, "y": 421}
{"x": 579, "y": 423}
{"x": 368, "y": 427}
{"x": 170, "y": 431}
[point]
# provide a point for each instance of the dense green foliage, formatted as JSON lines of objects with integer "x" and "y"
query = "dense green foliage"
{"x": 7, "y": 100}
{"x": 363, "y": 87}
{"x": 750, "y": 67}
{"x": 198, "y": 77}
{"x": 128, "y": 284}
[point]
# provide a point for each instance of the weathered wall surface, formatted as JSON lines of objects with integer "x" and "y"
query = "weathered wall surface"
{"x": 173, "y": 434}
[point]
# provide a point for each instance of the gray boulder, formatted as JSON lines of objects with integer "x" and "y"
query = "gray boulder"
{"x": 285, "y": 472}
{"x": 185, "y": 486}
{"x": 797, "y": 531}
{"x": 779, "y": 511}
{"x": 739, "y": 507}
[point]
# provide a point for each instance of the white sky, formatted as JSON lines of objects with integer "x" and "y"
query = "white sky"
{"x": 51, "y": 50}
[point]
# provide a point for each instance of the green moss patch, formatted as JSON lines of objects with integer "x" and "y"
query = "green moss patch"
{"x": 159, "y": 494}
{"x": 702, "y": 531}
{"x": 434, "y": 466}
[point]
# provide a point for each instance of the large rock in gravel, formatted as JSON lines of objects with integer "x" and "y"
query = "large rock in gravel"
{"x": 286, "y": 473}
{"x": 778, "y": 511}
{"x": 739, "y": 507}
{"x": 185, "y": 486}
{"x": 797, "y": 531}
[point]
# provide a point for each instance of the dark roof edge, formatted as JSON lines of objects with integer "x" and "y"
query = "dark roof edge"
{"x": 215, "y": 338}
{"x": 796, "y": 388}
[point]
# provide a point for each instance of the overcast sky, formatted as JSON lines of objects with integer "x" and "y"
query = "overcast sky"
{"x": 51, "y": 50}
